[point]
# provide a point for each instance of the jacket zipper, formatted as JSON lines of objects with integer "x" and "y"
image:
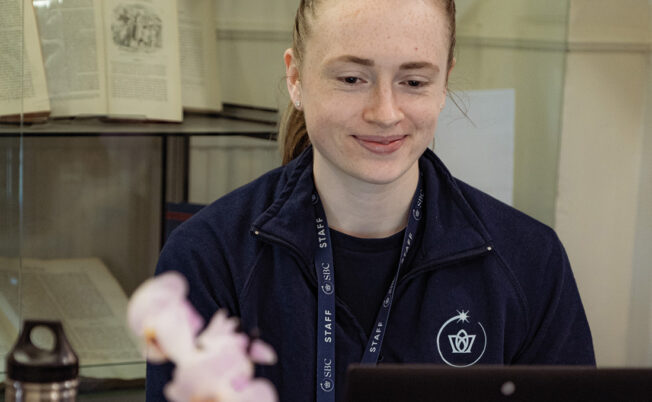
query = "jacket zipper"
{"x": 271, "y": 239}
{"x": 442, "y": 262}
{"x": 426, "y": 267}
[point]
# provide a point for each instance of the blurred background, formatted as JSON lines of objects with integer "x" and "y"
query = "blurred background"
{"x": 581, "y": 75}
{"x": 558, "y": 95}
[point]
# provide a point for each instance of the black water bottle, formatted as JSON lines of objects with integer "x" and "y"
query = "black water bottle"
{"x": 36, "y": 373}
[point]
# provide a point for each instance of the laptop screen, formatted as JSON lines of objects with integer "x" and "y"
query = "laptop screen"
{"x": 391, "y": 382}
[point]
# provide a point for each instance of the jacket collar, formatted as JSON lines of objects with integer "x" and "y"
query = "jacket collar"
{"x": 450, "y": 226}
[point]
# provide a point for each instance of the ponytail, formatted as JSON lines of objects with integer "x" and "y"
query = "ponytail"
{"x": 293, "y": 136}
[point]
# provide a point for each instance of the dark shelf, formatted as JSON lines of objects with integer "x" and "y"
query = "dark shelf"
{"x": 193, "y": 125}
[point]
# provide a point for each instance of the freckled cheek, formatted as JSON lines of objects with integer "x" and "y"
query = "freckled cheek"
{"x": 424, "y": 117}
{"x": 325, "y": 123}
{"x": 330, "y": 111}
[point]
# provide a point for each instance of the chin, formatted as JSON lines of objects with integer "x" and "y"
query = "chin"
{"x": 380, "y": 175}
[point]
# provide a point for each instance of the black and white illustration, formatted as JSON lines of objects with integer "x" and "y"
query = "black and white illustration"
{"x": 136, "y": 27}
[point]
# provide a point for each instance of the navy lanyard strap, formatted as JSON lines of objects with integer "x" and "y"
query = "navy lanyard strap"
{"x": 326, "y": 297}
{"x": 326, "y": 308}
{"x": 375, "y": 342}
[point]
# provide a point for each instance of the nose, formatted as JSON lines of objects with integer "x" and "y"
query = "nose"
{"x": 383, "y": 109}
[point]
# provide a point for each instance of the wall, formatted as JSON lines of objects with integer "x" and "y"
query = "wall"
{"x": 220, "y": 164}
{"x": 253, "y": 35}
{"x": 600, "y": 214}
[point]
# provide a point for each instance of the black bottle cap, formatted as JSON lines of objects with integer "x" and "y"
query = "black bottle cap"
{"x": 29, "y": 363}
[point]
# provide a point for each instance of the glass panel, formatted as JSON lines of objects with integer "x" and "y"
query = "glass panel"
{"x": 10, "y": 226}
{"x": 639, "y": 339}
{"x": 519, "y": 45}
{"x": 11, "y": 113}
{"x": 91, "y": 234}
{"x": 81, "y": 200}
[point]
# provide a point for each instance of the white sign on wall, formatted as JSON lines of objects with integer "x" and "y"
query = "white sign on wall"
{"x": 479, "y": 150}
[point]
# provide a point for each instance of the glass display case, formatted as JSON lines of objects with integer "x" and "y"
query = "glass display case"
{"x": 84, "y": 191}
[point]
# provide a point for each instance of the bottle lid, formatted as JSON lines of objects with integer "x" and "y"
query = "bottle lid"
{"x": 27, "y": 362}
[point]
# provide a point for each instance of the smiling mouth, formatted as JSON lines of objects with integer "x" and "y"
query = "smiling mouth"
{"x": 381, "y": 145}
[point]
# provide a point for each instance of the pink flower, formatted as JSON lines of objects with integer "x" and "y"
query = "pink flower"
{"x": 220, "y": 334}
{"x": 159, "y": 313}
{"x": 217, "y": 365}
{"x": 223, "y": 368}
{"x": 218, "y": 376}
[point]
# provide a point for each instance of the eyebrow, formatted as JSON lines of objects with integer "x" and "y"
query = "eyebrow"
{"x": 413, "y": 65}
{"x": 353, "y": 59}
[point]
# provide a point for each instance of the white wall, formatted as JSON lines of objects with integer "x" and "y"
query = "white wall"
{"x": 253, "y": 35}
{"x": 218, "y": 165}
{"x": 599, "y": 210}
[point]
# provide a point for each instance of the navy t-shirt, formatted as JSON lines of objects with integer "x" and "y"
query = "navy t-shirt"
{"x": 364, "y": 269}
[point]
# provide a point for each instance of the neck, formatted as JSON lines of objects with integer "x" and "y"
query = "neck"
{"x": 366, "y": 210}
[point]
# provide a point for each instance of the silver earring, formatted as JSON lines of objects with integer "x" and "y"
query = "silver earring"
{"x": 297, "y": 104}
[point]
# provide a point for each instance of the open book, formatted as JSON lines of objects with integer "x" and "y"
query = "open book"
{"x": 23, "y": 90}
{"x": 198, "y": 48}
{"x": 112, "y": 57}
{"x": 81, "y": 293}
{"x": 133, "y": 59}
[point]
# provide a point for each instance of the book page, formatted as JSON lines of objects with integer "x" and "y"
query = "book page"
{"x": 200, "y": 88}
{"x": 21, "y": 61}
{"x": 142, "y": 49}
{"x": 72, "y": 41}
{"x": 82, "y": 294}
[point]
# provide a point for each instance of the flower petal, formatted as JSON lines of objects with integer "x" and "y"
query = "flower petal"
{"x": 221, "y": 334}
{"x": 154, "y": 295}
{"x": 262, "y": 353}
{"x": 209, "y": 375}
{"x": 258, "y": 390}
{"x": 174, "y": 332}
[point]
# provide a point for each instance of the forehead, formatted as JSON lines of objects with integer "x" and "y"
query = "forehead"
{"x": 379, "y": 28}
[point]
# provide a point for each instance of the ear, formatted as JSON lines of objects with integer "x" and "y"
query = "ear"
{"x": 292, "y": 76}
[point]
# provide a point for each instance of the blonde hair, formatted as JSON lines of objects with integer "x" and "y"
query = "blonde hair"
{"x": 293, "y": 134}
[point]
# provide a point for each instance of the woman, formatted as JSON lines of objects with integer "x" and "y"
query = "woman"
{"x": 363, "y": 220}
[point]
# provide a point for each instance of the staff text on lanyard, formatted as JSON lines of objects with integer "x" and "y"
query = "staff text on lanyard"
{"x": 326, "y": 297}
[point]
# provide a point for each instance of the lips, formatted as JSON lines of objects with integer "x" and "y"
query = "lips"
{"x": 381, "y": 144}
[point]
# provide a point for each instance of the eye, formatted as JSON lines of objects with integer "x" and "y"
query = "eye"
{"x": 350, "y": 80}
{"x": 414, "y": 83}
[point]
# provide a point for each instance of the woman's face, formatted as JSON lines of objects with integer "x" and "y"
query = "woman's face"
{"x": 372, "y": 84}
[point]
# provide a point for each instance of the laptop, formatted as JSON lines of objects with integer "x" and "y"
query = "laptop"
{"x": 417, "y": 383}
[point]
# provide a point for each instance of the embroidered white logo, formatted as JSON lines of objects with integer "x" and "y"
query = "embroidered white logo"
{"x": 461, "y": 342}
{"x": 461, "y": 335}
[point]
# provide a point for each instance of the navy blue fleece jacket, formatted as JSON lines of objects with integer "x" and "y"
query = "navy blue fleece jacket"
{"x": 486, "y": 283}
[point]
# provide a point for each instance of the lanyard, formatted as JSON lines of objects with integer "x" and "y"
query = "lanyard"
{"x": 326, "y": 297}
